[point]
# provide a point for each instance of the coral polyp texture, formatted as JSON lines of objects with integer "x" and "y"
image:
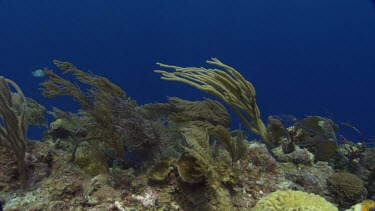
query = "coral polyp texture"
{"x": 293, "y": 200}
{"x": 346, "y": 188}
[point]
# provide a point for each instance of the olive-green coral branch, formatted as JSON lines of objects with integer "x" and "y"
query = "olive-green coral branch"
{"x": 228, "y": 85}
{"x": 58, "y": 86}
{"x": 13, "y": 123}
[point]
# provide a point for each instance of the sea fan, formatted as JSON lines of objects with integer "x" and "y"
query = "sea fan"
{"x": 139, "y": 132}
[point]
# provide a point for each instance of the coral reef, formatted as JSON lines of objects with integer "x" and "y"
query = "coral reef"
{"x": 113, "y": 154}
{"x": 311, "y": 179}
{"x": 317, "y": 134}
{"x": 349, "y": 157}
{"x": 298, "y": 156}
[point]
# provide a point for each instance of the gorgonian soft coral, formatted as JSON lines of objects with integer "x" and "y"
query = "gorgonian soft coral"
{"x": 139, "y": 133}
{"x": 95, "y": 105}
{"x": 228, "y": 85}
{"x": 13, "y": 123}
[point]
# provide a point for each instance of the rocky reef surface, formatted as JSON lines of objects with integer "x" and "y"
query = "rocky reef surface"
{"x": 57, "y": 184}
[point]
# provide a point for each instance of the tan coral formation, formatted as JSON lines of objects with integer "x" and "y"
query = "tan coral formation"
{"x": 293, "y": 200}
{"x": 228, "y": 85}
{"x": 13, "y": 131}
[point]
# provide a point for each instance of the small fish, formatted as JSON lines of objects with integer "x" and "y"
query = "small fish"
{"x": 38, "y": 73}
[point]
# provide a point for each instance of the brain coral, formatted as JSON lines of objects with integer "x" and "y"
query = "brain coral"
{"x": 347, "y": 189}
{"x": 293, "y": 200}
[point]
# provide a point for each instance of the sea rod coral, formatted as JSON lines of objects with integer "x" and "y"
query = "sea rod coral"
{"x": 13, "y": 129}
{"x": 228, "y": 85}
{"x": 95, "y": 112}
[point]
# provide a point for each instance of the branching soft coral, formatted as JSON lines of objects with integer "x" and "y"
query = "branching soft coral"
{"x": 78, "y": 127}
{"x": 200, "y": 149}
{"x": 179, "y": 110}
{"x": 199, "y": 152}
{"x": 227, "y": 85}
{"x": 13, "y": 128}
{"x": 140, "y": 133}
{"x": 57, "y": 86}
{"x": 96, "y": 102}
{"x": 35, "y": 113}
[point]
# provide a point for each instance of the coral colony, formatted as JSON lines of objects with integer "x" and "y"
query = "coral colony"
{"x": 113, "y": 154}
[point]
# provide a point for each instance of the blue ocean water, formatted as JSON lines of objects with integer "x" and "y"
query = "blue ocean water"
{"x": 303, "y": 57}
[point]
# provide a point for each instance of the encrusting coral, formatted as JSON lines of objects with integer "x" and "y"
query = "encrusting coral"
{"x": 229, "y": 86}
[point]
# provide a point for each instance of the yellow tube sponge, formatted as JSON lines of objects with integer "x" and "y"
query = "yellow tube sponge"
{"x": 293, "y": 200}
